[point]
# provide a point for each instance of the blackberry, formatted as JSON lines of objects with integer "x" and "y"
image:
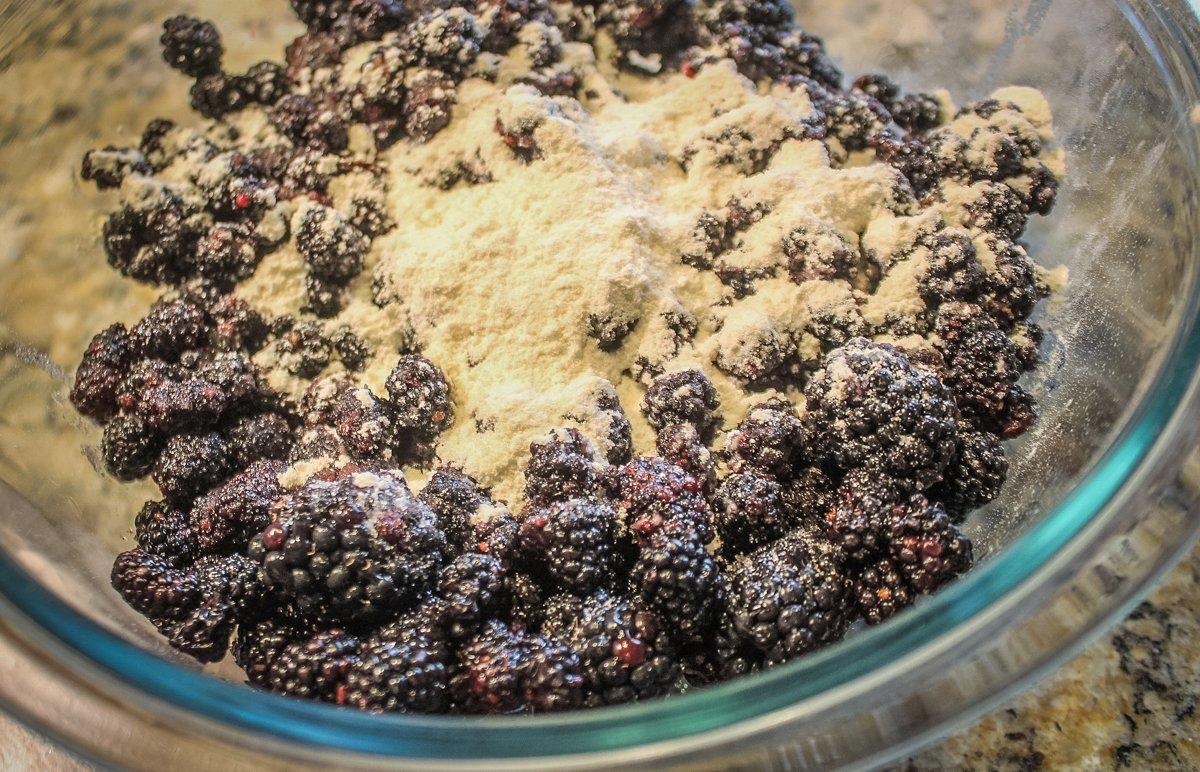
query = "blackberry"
{"x": 1014, "y": 286}
{"x": 680, "y": 444}
{"x": 561, "y": 466}
{"x": 317, "y": 442}
{"x": 109, "y": 167}
{"x": 430, "y": 102}
{"x": 654, "y": 493}
{"x": 169, "y": 329}
{"x": 455, "y": 497}
{"x": 446, "y": 41}
{"x": 216, "y": 95}
{"x": 859, "y": 518}
{"x": 305, "y": 350}
{"x": 365, "y": 423}
{"x": 952, "y": 272}
{"x": 100, "y": 372}
{"x": 749, "y": 512}
{"x": 259, "y": 436}
{"x": 914, "y": 159}
{"x": 976, "y": 474}
{"x": 333, "y": 248}
{"x": 473, "y": 587}
{"x": 225, "y": 518}
{"x": 528, "y": 606}
{"x": 257, "y": 645}
{"x": 129, "y": 447}
{"x": 153, "y": 587}
{"x": 572, "y": 541}
{"x": 676, "y": 577}
{"x": 982, "y": 363}
{"x": 871, "y": 408}
{"x": 237, "y": 326}
{"x": 231, "y": 592}
{"x": 199, "y": 400}
{"x": 190, "y": 464}
{"x": 154, "y": 242}
{"x": 783, "y": 606}
{"x": 319, "y": 127}
{"x": 766, "y": 440}
{"x": 407, "y": 674}
{"x": 1042, "y": 190}
{"x": 350, "y": 348}
{"x": 853, "y": 119}
{"x": 682, "y": 397}
{"x": 264, "y": 83}
{"x": 916, "y": 113}
{"x": 355, "y": 549}
{"x": 808, "y": 495}
{"x": 996, "y": 208}
{"x": 818, "y": 252}
{"x": 162, "y": 529}
{"x": 227, "y": 253}
{"x": 624, "y": 652}
{"x": 421, "y": 397}
{"x": 880, "y": 591}
{"x": 316, "y": 668}
{"x": 502, "y": 670}
{"x": 927, "y": 547}
{"x": 192, "y": 46}
{"x": 151, "y": 143}
{"x": 322, "y": 298}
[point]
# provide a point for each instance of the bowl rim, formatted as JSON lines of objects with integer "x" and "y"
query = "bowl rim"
{"x": 679, "y": 718}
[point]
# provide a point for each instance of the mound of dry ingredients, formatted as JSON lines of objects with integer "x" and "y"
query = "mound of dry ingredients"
{"x": 735, "y": 343}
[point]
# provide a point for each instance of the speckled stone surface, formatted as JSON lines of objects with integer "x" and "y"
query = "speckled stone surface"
{"x": 1128, "y": 702}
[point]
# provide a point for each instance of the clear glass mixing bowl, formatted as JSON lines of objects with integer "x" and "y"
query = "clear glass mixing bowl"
{"x": 1101, "y": 498}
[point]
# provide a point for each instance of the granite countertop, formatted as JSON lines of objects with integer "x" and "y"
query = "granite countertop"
{"x": 1129, "y": 701}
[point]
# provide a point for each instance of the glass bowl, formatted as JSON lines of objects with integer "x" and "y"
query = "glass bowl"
{"x": 1100, "y": 501}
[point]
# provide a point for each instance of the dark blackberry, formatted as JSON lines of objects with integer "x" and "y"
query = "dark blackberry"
{"x": 237, "y": 326}
{"x": 333, "y": 248}
{"x": 976, "y": 474}
{"x": 162, "y": 529}
{"x": 982, "y": 363}
{"x": 783, "y": 606}
{"x": 952, "y": 271}
{"x": 151, "y": 143}
{"x": 109, "y": 167}
{"x": 681, "y": 445}
{"x": 470, "y": 519}
{"x": 572, "y": 541}
{"x": 808, "y": 495}
{"x": 359, "y": 548}
{"x": 819, "y": 252}
{"x": 190, "y": 464}
{"x": 654, "y": 493}
{"x": 1041, "y": 189}
{"x": 914, "y": 159}
{"x": 309, "y": 124}
{"x": 366, "y": 424}
{"x": 231, "y": 592}
{"x": 996, "y": 208}
{"x": 926, "y": 546}
{"x": 314, "y": 669}
{"x": 766, "y": 440}
{"x": 154, "y": 242}
{"x": 191, "y": 45}
{"x": 1014, "y": 286}
{"x": 430, "y": 102}
{"x": 562, "y": 465}
{"x": 170, "y": 405}
{"x": 624, "y": 653}
{"x": 153, "y": 587}
{"x": 100, "y": 372}
{"x": 257, "y": 645}
{"x": 227, "y": 253}
{"x": 854, "y": 119}
{"x": 351, "y": 349}
{"x": 859, "y": 518}
{"x": 711, "y": 238}
{"x": 317, "y": 442}
{"x": 682, "y": 397}
{"x": 169, "y": 329}
{"x": 259, "y": 436}
{"x": 129, "y": 447}
{"x": 447, "y": 41}
{"x": 264, "y": 83}
{"x": 473, "y": 587}
{"x": 917, "y": 113}
{"x": 502, "y": 670}
{"x": 871, "y": 408}
{"x": 406, "y": 674}
{"x": 322, "y": 298}
{"x": 528, "y": 606}
{"x": 305, "y": 350}
{"x": 216, "y": 95}
{"x": 420, "y": 395}
{"x": 749, "y": 512}
{"x": 676, "y": 577}
{"x": 519, "y": 138}
{"x": 204, "y": 633}
{"x": 880, "y": 591}
{"x": 225, "y": 518}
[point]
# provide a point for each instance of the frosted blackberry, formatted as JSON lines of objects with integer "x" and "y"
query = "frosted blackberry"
{"x": 406, "y": 674}
{"x": 870, "y": 408}
{"x": 153, "y": 242}
{"x": 975, "y": 475}
{"x": 305, "y": 350}
{"x": 573, "y": 541}
{"x": 654, "y": 493}
{"x": 191, "y": 45}
{"x": 216, "y": 95}
{"x": 355, "y": 549}
{"x": 817, "y": 252}
{"x": 190, "y": 464}
{"x": 783, "y": 607}
{"x": 259, "y": 436}
{"x": 227, "y": 253}
{"x": 561, "y": 466}
{"x": 927, "y": 547}
{"x": 683, "y": 397}
{"x": 677, "y": 578}
{"x": 169, "y": 329}
{"x": 996, "y": 208}
{"x": 431, "y": 97}
{"x": 750, "y": 512}
{"x": 237, "y": 326}
{"x": 913, "y": 158}
{"x": 766, "y": 441}
{"x": 681, "y": 445}
{"x": 504, "y": 670}
{"x": 333, "y": 248}
{"x": 623, "y": 650}
{"x": 351, "y": 349}
{"x": 1014, "y": 286}
{"x": 109, "y": 167}
{"x": 225, "y": 518}
{"x": 880, "y": 591}
{"x": 314, "y": 669}
{"x": 129, "y": 447}
{"x": 860, "y": 517}
{"x": 473, "y": 587}
{"x": 365, "y": 424}
{"x": 420, "y": 395}
{"x": 162, "y": 529}
{"x": 952, "y": 272}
